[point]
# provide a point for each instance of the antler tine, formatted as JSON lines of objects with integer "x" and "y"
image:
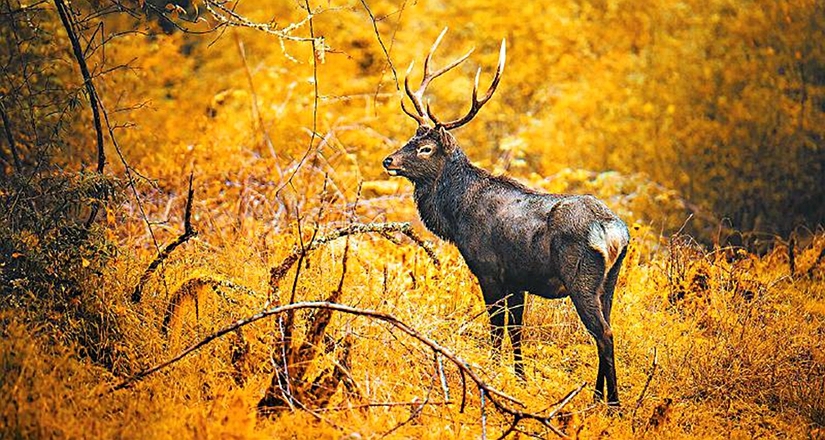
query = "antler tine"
{"x": 421, "y": 120}
{"x": 419, "y": 115}
{"x": 432, "y": 51}
{"x": 417, "y": 96}
{"x": 432, "y": 116}
{"x": 431, "y": 76}
{"x": 478, "y": 103}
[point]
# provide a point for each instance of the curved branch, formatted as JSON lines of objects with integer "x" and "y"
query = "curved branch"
{"x": 279, "y": 272}
{"x": 495, "y": 396}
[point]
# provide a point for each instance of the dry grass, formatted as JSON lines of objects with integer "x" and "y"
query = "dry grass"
{"x": 739, "y": 345}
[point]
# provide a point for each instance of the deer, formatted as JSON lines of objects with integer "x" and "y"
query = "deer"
{"x": 514, "y": 239}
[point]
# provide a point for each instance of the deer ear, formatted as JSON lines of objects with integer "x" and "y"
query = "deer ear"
{"x": 447, "y": 141}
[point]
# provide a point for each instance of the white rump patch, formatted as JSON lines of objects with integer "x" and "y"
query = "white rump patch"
{"x": 609, "y": 239}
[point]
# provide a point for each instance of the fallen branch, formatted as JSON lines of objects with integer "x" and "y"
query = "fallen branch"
{"x": 495, "y": 397}
{"x": 382, "y": 405}
{"x": 188, "y": 232}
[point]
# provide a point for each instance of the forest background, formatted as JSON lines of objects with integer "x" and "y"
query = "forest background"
{"x": 171, "y": 167}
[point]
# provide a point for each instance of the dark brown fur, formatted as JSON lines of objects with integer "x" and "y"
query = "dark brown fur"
{"x": 517, "y": 240}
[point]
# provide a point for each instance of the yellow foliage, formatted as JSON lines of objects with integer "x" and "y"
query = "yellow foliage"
{"x": 667, "y": 109}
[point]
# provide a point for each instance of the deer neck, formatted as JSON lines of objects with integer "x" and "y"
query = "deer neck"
{"x": 440, "y": 201}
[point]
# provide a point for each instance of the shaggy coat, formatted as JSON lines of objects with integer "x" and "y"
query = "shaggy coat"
{"x": 516, "y": 240}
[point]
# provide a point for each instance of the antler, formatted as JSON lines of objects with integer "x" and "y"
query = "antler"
{"x": 477, "y": 103}
{"x": 417, "y": 96}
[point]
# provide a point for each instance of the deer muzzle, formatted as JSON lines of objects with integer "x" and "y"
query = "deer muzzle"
{"x": 392, "y": 167}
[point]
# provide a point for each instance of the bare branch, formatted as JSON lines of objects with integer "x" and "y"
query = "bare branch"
{"x": 63, "y": 11}
{"x": 188, "y": 232}
{"x": 491, "y": 393}
{"x": 382, "y": 405}
{"x": 443, "y": 378}
{"x": 483, "y": 414}
{"x": 256, "y": 112}
{"x": 381, "y": 43}
{"x": 644, "y": 389}
{"x": 279, "y": 272}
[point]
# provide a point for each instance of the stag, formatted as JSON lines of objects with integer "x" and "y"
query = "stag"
{"x": 515, "y": 240}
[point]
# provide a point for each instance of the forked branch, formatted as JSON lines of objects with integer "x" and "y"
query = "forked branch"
{"x": 188, "y": 232}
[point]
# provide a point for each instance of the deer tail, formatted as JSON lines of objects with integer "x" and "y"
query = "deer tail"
{"x": 609, "y": 239}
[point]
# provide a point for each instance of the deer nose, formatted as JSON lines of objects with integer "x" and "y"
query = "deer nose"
{"x": 387, "y": 162}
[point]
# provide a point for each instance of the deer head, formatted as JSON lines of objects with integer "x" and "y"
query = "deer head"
{"x": 424, "y": 155}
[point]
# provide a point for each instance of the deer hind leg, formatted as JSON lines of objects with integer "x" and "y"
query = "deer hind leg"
{"x": 585, "y": 281}
{"x": 610, "y": 286}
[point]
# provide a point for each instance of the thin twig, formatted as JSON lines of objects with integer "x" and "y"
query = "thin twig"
{"x": 228, "y": 17}
{"x": 791, "y": 256}
{"x": 509, "y": 430}
{"x": 256, "y": 112}
{"x": 566, "y": 400}
{"x": 283, "y": 378}
{"x": 463, "y": 392}
{"x": 443, "y": 378}
{"x": 188, "y": 232}
{"x": 483, "y": 414}
{"x": 644, "y": 389}
{"x": 381, "y": 43}
{"x": 130, "y": 177}
{"x": 316, "y": 95}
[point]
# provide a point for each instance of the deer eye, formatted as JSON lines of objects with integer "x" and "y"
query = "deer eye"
{"x": 425, "y": 150}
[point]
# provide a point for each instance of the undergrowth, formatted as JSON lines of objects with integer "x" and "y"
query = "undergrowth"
{"x": 737, "y": 342}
